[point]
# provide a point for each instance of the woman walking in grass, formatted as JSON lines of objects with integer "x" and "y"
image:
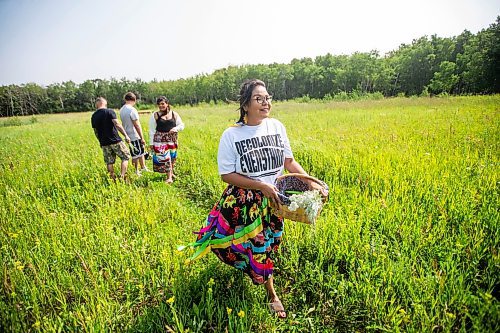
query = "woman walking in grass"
{"x": 164, "y": 125}
{"x": 241, "y": 229}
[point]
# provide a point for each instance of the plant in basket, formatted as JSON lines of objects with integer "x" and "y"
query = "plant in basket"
{"x": 300, "y": 201}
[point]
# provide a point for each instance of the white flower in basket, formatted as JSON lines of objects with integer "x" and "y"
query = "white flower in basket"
{"x": 310, "y": 201}
{"x": 299, "y": 200}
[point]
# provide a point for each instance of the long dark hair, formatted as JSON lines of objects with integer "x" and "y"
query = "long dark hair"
{"x": 163, "y": 99}
{"x": 246, "y": 94}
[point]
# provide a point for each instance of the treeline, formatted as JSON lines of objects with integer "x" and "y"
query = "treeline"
{"x": 465, "y": 64}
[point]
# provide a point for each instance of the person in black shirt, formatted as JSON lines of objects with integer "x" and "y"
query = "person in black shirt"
{"x": 164, "y": 126}
{"x": 106, "y": 128}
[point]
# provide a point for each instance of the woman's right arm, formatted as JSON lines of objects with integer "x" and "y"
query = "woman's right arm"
{"x": 269, "y": 191}
{"x": 152, "y": 129}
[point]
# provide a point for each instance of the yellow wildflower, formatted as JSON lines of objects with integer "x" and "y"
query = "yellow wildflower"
{"x": 229, "y": 310}
{"x": 241, "y": 314}
{"x": 171, "y": 300}
{"x": 19, "y": 265}
{"x": 450, "y": 315}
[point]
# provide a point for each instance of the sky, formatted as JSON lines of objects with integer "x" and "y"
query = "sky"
{"x": 52, "y": 41}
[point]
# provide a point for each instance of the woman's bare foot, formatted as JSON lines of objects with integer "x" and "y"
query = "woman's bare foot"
{"x": 277, "y": 307}
{"x": 275, "y": 304}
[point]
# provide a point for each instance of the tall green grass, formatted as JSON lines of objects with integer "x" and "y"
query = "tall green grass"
{"x": 409, "y": 240}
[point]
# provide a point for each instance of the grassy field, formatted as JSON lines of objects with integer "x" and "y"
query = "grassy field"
{"x": 409, "y": 240}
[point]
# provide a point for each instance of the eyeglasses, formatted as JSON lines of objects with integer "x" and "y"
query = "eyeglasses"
{"x": 261, "y": 100}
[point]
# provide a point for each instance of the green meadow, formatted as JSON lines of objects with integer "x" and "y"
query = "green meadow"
{"x": 408, "y": 242}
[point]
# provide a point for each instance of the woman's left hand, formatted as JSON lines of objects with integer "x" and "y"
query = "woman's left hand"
{"x": 316, "y": 186}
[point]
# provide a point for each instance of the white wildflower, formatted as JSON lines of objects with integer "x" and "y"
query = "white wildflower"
{"x": 293, "y": 206}
{"x": 310, "y": 201}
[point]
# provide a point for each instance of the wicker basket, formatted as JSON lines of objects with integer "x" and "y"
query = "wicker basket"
{"x": 295, "y": 182}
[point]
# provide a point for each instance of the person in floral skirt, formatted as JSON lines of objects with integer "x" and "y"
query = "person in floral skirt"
{"x": 241, "y": 228}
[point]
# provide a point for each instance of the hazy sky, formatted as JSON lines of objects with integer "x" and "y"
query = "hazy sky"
{"x": 59, "y": 40}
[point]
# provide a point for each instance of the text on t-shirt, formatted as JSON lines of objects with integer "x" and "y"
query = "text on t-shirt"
{"x": 261, "y": 153}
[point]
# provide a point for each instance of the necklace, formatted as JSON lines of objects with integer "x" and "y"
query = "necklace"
{"x": 165, "y": 114}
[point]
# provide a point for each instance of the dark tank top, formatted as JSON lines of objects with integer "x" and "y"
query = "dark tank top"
{"x": 163, "y": 125}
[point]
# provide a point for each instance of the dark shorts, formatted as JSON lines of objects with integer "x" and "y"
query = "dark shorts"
{"x": 116, "y": 149}
{"x": 136, "y": 149}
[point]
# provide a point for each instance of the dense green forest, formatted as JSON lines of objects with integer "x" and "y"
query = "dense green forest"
{"x": 464, "y": 64}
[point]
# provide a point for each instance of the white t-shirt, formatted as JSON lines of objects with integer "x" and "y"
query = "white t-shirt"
{"x": 127, "y": 114}
{"x": 257, "y": 152}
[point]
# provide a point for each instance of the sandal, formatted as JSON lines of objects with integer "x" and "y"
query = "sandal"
{"x": 277, "y": 308}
